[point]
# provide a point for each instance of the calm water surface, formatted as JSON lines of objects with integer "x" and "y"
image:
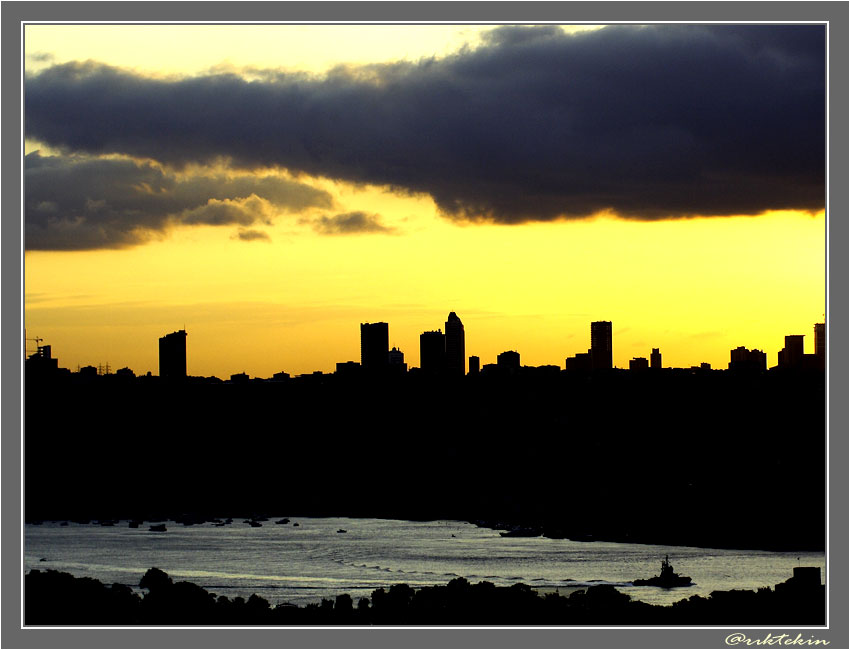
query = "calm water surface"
{"x": 304, "y": 564}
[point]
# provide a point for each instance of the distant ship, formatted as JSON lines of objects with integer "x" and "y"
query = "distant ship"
{"x": 158, "y": 528}
{"x": 667, "y": 580}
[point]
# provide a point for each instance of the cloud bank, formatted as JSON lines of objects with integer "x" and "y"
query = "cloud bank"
{"x": 647, "y": 122}
{"x": 83, "y": 202}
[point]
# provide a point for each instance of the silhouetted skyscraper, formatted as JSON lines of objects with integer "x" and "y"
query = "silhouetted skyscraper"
{"x": 432, "y": 352}
{"x": 791, "y": 356}
{"x": 820, "y": 341}
{"x": 655, "y": 359}
{"x": 600, "y": 345}
{"x": 172, "y": 355}
{"x": 455, "y": 346}
{"x": 374, "y": 346}
{"x": 396, "y": 361}
{"x": 474, "y": 365}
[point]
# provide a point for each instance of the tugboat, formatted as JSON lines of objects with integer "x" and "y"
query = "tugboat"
{"x": 667, "y": 580}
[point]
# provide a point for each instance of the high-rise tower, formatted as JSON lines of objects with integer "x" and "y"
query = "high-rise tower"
{"x": 432, "y": 353}
{"x": 820, "y": 341}
{"x": 655, "y": 359}
{"x": 374, "y": 346}
{"x": 172, "y": 355}
{"x": 455, "y": 347}
{"x": 601, "y": 357}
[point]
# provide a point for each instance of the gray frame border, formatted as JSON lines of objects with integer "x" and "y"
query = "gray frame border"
{"x": 835, "y": 13}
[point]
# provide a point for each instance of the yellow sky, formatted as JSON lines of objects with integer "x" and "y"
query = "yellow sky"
{"x": 694, "y": 288}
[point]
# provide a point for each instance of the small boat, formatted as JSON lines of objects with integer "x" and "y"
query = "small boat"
{"x": 667, "y": 580}
{"x": 282, "y": 521}
{"x": 158, "y": 528}
{"x": 134, "y": 523}
{"x": 296, "y": 524}
{"x": 255, "y": 524}
{"x": 342, "y": 530}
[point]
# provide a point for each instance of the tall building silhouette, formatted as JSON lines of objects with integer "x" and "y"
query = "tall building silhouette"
{"x": 791, "y": 356}
{"x": 395, "y": 360}
{"x": 374, "y": 346}
{"x": 655, "y": 359}
{"x": 432, "y": 352}
{"x": 455, "y": 346}
{"x": 820, "y": 342}
{"x": 172, "y": 355}
{"x": 600, "y": 345}
{"x": 474, "y": 365}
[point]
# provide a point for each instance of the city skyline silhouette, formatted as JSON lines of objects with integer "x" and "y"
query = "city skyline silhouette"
{"x": 375, "y": 355}
{"x": 483, "y": 183}
{"x": 351, "y": 301}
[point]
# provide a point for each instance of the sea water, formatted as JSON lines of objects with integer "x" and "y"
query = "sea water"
{"x": 284, "y": 563}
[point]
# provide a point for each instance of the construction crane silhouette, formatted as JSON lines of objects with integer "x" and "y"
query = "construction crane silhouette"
{"x": 37, "y": 340}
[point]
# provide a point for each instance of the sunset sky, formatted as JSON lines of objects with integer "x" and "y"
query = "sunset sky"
{"x": 271, "y": 187}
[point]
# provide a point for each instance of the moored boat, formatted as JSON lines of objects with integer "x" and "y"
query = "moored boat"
{"x": 667, "y": 580}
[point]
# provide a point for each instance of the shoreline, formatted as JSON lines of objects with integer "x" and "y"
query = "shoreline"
{"x": 58, "y": 598}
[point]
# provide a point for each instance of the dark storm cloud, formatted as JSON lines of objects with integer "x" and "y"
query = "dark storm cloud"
{"x": 650, "y": 122}
{"x": 349, "y": 223}
{"x": 82, "y": 202}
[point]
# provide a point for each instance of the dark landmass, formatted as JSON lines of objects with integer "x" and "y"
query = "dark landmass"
{"x": 697, "y": 458}
{"x": 54, "y": 598}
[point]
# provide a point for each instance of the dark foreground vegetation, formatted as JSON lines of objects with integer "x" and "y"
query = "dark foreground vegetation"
{"x": 711, "y": 459}
{"x": 54, "y": 598}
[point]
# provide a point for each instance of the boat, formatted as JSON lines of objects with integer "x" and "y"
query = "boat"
{"x": 285, "y": 520}
{"x": 342, "y": 530}
{"x": 667, "y": 580}
{"x": 255, "y": 524}
{"x": 158, "y": 528}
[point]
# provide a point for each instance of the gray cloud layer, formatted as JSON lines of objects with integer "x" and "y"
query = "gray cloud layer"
{"x": 82, "y": 202}
{"x": 349, "y": 223}
{"x": 652, "y": 122}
